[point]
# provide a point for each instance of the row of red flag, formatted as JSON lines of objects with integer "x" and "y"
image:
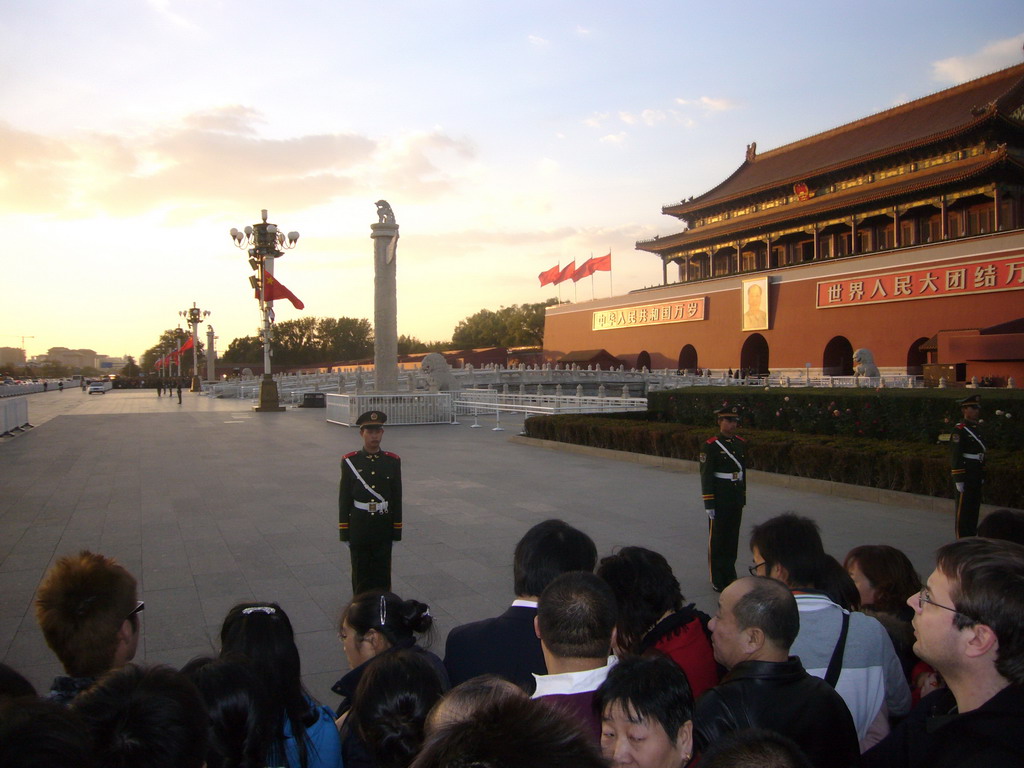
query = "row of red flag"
{"x": 558, "y": 274}
{"x": 173, "y": 357}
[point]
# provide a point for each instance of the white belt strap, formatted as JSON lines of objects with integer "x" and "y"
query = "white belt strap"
{"x": 365, "y": 485}
{"x": 373, "y": 507}
{"x": 734, "y": 459}
{"x": 975, "y": 456}
{"x": 729, "y": 475}
{"x": 968, "y": 431}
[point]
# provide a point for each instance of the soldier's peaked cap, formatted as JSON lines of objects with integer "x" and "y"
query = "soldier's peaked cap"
{"x": 971, "y": 400}
{"x": 371, "y": 419}
{"x": 728, "y": 412}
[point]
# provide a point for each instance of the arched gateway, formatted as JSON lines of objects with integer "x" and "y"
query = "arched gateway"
{"x": 754, "y": 356}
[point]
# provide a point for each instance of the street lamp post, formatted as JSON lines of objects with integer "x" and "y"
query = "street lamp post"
{"x": 264, "y": 243}
{"x": 193, "y": 315}
{"x": 211, "y": 355}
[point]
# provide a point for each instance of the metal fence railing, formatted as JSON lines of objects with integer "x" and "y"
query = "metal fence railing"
{"x": 401, "y": 408}
{"x": 13, "y": 414}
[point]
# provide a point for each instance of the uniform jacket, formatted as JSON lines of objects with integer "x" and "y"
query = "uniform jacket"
{"x": 719, "y": 492}
{"x": 505, "y": 645}
{"x": 782, "y": 697}
{"x": 382, "y": 471}
{"x": 962, "y": 441}
{"x": 934, "y": 735}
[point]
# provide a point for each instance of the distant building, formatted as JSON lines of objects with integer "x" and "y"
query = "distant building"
{"x": 12, "y": 356}
{"x": 888, "y": 233}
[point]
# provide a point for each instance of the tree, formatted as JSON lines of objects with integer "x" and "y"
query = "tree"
{"x": 517, "y": 326}
{"x": 130, "y": 369}
{"x": 345, "y": 338}
{"x": 244, "y": 349}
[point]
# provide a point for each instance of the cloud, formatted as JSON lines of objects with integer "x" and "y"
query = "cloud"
{"x": 996, "y": 55}
{"x": 582, "y": 31}
{"x": 707, "y": 104}
{"x": 596, "y": 119}
{"x": 538, "y": 42}
{"x": 211, "y": 161}
{"x": 614, "y": 138}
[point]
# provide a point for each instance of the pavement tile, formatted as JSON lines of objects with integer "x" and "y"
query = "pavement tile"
{"x": 261, "y": 522}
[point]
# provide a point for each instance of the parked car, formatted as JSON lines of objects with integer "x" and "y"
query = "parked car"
{"x": 97, "y": 388}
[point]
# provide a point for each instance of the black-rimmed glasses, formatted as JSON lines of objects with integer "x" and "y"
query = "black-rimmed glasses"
{"x": 753, "y": 569}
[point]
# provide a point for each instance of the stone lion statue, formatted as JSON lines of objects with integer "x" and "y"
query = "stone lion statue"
{"x": 864, "y": 363}
{"x": 384, "y": 213}
{"x": 438, "y": 373}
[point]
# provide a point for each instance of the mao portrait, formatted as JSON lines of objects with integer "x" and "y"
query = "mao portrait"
{"x": 755, "y": 304}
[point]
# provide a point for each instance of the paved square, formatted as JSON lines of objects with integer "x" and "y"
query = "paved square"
{"x": 209, "y": 504}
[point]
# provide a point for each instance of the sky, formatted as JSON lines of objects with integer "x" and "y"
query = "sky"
{"x": 508, "y": 137}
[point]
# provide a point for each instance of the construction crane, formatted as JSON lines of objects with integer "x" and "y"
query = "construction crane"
{"x": 16, "y": 336}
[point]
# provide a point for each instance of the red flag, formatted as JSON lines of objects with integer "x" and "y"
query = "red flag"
{"x": 186, "y": 345}
{"x": 601, "y": 264}
{"x": 159, "y": 363}
{"x": 274, "y": 289}
{"x": 549, "y": 276}
{"x": 586, "y": 270}
{"x": 566, "y": 273}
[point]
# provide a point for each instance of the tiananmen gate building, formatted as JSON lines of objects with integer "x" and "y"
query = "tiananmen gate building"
{"x": 901, "y": 233}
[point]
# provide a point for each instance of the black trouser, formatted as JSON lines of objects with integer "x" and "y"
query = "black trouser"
{"x": 723, "y": 542}
{"x": 371, "y": 566}
{"x": 968, "y": 503}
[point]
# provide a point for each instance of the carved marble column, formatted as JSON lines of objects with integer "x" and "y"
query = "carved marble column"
{"x": 385, "y": 300}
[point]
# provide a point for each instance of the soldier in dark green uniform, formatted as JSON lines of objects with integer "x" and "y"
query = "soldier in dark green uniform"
{"x": 967, "y": 461}
{"x": 370, "y": 506}
{"x": 724, "y": 485}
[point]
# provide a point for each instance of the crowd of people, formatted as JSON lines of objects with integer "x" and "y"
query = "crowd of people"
{"x": 806, "y": 662}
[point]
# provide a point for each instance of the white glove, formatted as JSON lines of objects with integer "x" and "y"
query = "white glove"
{"x": 711, "y": 512}
{"x": 959, "y": 487}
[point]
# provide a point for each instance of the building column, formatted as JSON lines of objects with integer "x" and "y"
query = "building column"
{"x": 897, "y": 236}
{"x": 995, "y": 202}
{"x": 817, "y": 253}
{"x": 945, "y": 219}
{"x": 854, "y": 240}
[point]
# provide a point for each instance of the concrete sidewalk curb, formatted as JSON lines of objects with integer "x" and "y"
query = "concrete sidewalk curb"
{"x": 808, "y": 484}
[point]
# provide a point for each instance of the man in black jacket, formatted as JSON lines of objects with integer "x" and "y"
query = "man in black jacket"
{"x": 756, "y": 623}
{"x": 507, "y": 645}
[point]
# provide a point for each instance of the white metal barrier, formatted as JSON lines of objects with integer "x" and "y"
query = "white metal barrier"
{"x": 13, "y": 390}
{"x": 13, "y": 414}
{"x": 483, "y": 400}
{"x": 410, "y": 408}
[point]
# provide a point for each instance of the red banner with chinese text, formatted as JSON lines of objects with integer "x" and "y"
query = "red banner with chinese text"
{"x": 684, "y": 311}
{"x": 1002, "y": 273}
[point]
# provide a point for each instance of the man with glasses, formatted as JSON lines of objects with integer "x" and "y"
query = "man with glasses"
{"x": 968, "y": 625}
{"x": 967, "y": 460}
{"x": 88, "y": 610}
{"x": 723, "y": 484}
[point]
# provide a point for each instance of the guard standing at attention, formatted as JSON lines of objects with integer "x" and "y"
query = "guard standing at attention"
{"x": 724, "y": 485}
{"x": 370, "y": 506}
{"x": 967, "y": 461}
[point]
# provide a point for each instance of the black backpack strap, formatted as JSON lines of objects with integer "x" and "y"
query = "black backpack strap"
{"x": 835, "y": 664}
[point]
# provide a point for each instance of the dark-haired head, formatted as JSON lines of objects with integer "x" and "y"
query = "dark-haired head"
{"x": 146, "y": 718}
{"x": 391, "y": 704}
{"x": 884, "y": 576}
{"x": 576, "y": 616}
{"x": 464, "y": 700}
{"x": 645, "y": 589}
{"x": 240, "y": 727}
{"x": 986, "y": 586}
{"x": 1007, "y": 524}
{"x": 651, "y": 689}
{"x": 35, "y": 733}
{"x": 14, "y": 684}
{"x": 755, "y": 748}
{"x": 791, "y": 544}
{"x": 85, "y": 608}
{"x": 545, "y": 551}
{"x": 262, "y": 633}
{"x": 396, "y": 620}
{"x": 513, "y": 732}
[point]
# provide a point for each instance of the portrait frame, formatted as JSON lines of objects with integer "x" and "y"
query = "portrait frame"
{"x": 754, "y": 308}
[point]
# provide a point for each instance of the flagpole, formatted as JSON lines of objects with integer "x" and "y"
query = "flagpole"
{"x": 591, "y": 278}
{"x": 559, "y": 283}
{"x": 610, "y": 286}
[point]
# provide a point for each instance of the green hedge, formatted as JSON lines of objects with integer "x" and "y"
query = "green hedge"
{"x": 888, "y": 464}
{"x": 904, "y": 415}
